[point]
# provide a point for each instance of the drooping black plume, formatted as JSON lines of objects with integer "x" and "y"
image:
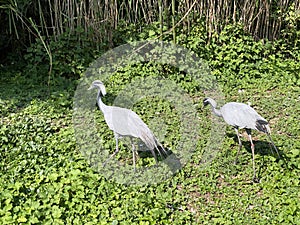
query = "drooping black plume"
{"x": 262, "y": 126}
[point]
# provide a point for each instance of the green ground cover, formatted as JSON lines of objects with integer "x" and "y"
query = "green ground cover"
{"x": 46, "y": 180}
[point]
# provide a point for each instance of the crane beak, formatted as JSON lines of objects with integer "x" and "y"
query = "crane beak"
{"x": 91, "y": 87}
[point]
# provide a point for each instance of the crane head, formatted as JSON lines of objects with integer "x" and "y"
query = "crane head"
{"x": 99, "y": 85}
{"x": 205, "y": 102}
{"x": 210, "y": 101}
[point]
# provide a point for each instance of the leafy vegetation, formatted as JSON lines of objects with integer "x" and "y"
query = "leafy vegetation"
{"x": 46, "y": 180}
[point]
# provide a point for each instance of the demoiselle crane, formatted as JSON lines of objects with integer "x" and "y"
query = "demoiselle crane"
{"x": 124, "y": 122}
{"x": 240, "y": 115}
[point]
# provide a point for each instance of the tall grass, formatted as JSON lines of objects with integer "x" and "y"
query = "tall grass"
{"x": 98, "y": 18}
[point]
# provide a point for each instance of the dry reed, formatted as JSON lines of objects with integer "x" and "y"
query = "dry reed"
{"x": 262, "y": 18}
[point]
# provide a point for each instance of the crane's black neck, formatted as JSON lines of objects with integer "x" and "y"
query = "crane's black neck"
{"x": 99, "y": 100}
{"x": 99, "y": 95}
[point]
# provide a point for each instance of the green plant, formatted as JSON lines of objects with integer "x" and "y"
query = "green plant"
{"x": 44, "y": 179}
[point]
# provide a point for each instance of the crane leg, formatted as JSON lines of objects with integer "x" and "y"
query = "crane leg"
{"x": 253, "y": 156}
{"x": 133, "y": 154}
{"x": 115, "y": 152}
{"x": 240, "y": 144}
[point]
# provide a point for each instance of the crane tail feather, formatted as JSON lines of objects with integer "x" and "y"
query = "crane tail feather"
{"x": 161, "y": 150}
{"x": 153, "y": 144}
{"x": 274, "y": 146}
{"x": 263, "y": 126}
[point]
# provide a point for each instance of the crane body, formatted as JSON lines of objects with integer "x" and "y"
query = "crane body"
{"x": 124, "y": 122}
{"x": 242, "y": 116}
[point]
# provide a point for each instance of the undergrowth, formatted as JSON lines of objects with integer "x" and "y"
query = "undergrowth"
{"x": 45, "y": 180}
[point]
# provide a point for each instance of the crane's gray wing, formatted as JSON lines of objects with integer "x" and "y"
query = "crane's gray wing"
{"x": 241, "y": 115}
{"x": 119, "y": 120}
{"x": 126, "y": 123}
{"x": 139, "y": 129}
